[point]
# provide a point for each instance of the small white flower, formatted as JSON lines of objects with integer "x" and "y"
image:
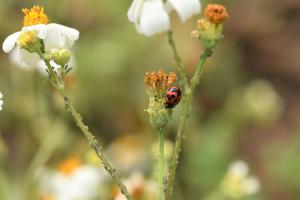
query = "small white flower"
{"x": 1, "y": 101}
{"x": 82, "y": 183}
{"x": 54, "y": 36}
{"x": 239, "y": 168}
{"x": 237, "y": 183}
{"x": 252, "y": 185}
{"x": 263, "y": 101}
{"x": 152, "y": 16}
{"x": 139, "y": 187}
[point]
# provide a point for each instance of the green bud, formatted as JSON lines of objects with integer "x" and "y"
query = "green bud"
{"x": 210, "y": 26}
{"x": 159, "y": 115}
{"x": 30, "y": 41}
{"x": 209, "y": 33}
{"x": 61, "y": 57}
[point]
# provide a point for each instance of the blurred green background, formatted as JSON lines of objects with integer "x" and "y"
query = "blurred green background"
{"x": 247, "y": 107}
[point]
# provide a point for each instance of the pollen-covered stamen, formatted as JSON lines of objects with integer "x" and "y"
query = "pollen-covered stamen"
{"x": 34, "y": 16}
{"x": 216, "y": 13}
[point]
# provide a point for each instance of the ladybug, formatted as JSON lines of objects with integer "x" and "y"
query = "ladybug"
{"x": 173, "y": 96}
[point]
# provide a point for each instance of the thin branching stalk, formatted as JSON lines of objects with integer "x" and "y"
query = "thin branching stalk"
{"x": 161, "y": 157}
{"x": 58, "y": 84}
{"x": 183, "y": 82}
{"x": 185, "y": 115}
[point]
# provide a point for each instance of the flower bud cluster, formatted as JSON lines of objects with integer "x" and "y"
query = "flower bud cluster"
{"x": 60, "y": 57}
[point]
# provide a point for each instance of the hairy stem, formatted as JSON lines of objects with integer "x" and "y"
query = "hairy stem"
{"x": 95, "y": 145}
{"x": 185, "y": 115}
{"x": 183, "y": 82}
{"x": 161, "y": 156}
{"x": 85, "y": 130}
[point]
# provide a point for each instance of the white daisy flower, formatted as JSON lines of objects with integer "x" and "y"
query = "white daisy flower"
{"x": 54, "y": 36}
{"x": 152, "y": 16}
{"x": 72, "y": 181}
{"x": 237, "y": 182}
{"x": 1, "y": 101}
{"x": 139, "y": 187}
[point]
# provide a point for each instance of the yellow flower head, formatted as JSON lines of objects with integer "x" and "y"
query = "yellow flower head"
{"x": 34, "y": 16}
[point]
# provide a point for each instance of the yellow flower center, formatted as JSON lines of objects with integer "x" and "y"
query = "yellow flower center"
{"x": 34, "y": 16}
{"x": 69, "y": 165}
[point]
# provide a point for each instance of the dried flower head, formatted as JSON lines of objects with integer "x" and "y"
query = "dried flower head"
{"x": 159, "y": 80}
{"x": 216, "y": 13}
{"x": 34, "y": 16}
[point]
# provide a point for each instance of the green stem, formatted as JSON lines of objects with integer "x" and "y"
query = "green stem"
{"x": 95, "y": 145}
{"x": 161, "y": 163}
{"x": 185, "y": 115}
{"x": 183, "y": 82}
{"x": 85, "y": 130}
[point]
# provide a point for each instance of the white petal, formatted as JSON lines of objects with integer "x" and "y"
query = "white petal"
{"x": 251, "y": 185}
{"x": 71, "y": 35}
{"x": 185, "y": 8}
{"x": 41, "y": 67}
{"x": 55, "y": 38}
{"x": 16, "y": 58}
{"x": 28, "y": 59}
{"x": 134, "y": 11}
{"x": 1, "y": 95}
{"x": 40, "y": 28}
{"x": 239, "y": 169}
{"x": 59, "y": 36}
{"x": 154, "y": 19}
{"x": 10, "y": 42}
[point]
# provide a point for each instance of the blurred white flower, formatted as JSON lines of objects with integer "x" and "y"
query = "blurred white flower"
{"x": 237, "y": 183}
{"x": 138, "y": 187}
{"x": 134, "y": 153}
{"x": 72, "y": 181}
{"x": 1, "y": 101}
{"x": 54, "y": 36}
{"x": 263, "y": 101}
{"x": 152, "y": 16}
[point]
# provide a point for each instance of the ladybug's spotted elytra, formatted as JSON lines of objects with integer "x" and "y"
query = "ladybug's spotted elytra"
{"x": 173, "y": 96}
